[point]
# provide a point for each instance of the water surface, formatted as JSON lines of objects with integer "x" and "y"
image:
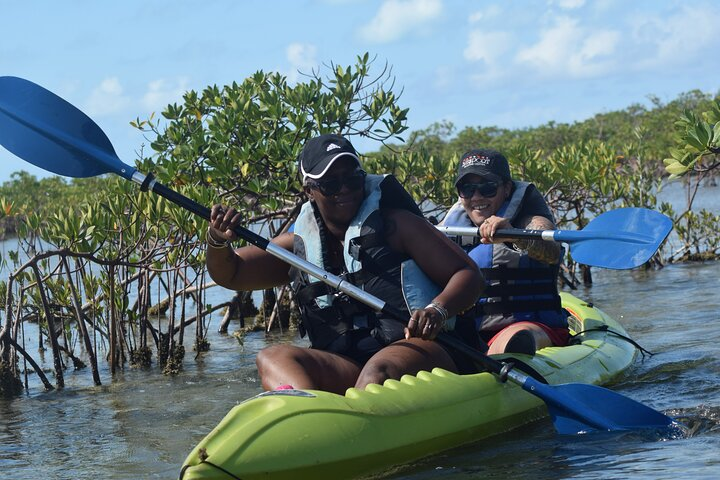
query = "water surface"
{"x": 142, "y": 424}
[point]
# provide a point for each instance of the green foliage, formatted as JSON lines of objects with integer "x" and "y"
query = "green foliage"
{"x": 238, "y": 144}
{"x": 697, "y": 142}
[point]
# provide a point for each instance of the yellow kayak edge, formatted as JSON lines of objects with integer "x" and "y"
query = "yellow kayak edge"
{"x": 290, "y": 434}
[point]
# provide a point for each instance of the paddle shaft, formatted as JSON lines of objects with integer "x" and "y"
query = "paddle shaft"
{"x": 567, "y": 236}
{"x": 147, "y": 183}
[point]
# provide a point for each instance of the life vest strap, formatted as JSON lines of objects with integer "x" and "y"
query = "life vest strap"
{"x": 515, "y": 289}
{"x": 504, "y": 273}
{"x": 513, "y": 306}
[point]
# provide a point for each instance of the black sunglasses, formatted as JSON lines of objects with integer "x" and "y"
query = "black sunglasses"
{"x": 332, "y": 186}
{"x": 486, "y": 189}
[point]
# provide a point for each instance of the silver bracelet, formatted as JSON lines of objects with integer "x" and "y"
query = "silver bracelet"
{"x": 215, "y": 243}
{"x": 440, "y": 309}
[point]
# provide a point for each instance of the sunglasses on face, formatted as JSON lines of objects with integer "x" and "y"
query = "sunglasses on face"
{"x": 485, "y": 189}
{"x": 332, "y": 186}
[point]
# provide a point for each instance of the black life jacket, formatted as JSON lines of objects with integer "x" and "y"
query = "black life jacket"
{"x": 519, "y": 288}
{"x": 369, "y": 263}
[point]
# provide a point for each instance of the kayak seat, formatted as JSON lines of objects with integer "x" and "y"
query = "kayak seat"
{"x": 522, "y": 342}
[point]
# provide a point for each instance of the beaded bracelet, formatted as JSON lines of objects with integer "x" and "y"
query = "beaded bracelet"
{"x": 215, "y": 243}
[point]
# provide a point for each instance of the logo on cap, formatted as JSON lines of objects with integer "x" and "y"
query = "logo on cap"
{"x": 332, "y": 146}
{"x": 475, "y": 160}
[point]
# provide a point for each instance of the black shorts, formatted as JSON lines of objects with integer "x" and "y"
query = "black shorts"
{"x": 358, "y": 345}
{"x": 361, "y": 344}
{"x": 466, "y": 333}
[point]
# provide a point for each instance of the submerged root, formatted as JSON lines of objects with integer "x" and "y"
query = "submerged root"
{"x": 141, "y": 357}
{"x": 201, "y": 345}
{"x": 77, "y": 363}
{"x": 10, "y": 384}
{"x": 175, "y": 361}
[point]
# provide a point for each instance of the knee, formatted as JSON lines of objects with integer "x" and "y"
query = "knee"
{"x": 374, "y": 374}
{"x": 269, "y": 357}
{"x": 378, "y": 372}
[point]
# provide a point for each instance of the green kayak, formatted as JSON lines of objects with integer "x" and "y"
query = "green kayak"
{"x": 291, "y": 434}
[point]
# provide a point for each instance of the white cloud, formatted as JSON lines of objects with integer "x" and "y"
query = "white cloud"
{"x": 683, "y": 37}
{"x": 162, "y": 92}
{"x": 487, "y": 46}
{"x": 444, "y": 77}
{"x": 490, "y": 12}
{"x": 396, "y": 18}
{"x": 107, "y": 98}
{"x": 569, "y": 49}
{"x": 568, "y": 4}
{"x": 302, "y": 58}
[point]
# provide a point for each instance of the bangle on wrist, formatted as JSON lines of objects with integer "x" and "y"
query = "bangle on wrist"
{"x": 440, "y": 309}
{"x": 215, "y": 243}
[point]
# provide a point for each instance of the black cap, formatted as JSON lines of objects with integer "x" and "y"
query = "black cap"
{"x": 320, "y": 153}
{"x": 486, "y": 163}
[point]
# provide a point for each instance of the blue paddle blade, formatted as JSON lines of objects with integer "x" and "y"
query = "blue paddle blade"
{"x": 578, "y": 408}
{"x": 618, "y": 239}
{"x": 45, "y": 130}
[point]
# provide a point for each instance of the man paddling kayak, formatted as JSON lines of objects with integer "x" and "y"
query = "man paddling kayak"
{"x": 520, "y": 311}
{"x": 368, "y": 228}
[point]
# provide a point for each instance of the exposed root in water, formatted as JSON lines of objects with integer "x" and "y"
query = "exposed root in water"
{"x": 240, "y": 336}
{"x": 141, "y": 357}
{"x": 162, "y": 345}
{"x": 201, "y": 345}
{"x": 77, "y": 363}
{"x": 10, "y": 384}
{"x": 175, "y": 361}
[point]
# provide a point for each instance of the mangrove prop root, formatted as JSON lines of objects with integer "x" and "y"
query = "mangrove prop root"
{"x": 10, "y": 384}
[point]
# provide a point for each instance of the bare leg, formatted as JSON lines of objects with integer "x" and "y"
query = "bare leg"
{"x": 502, "y": 339}
{"x": 404, "y": 357}
{"x": 305, "y": 368}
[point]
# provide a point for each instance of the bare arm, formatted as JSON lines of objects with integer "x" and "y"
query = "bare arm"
{"x": 247, "y": 268}
{"x": 441, "y": 260}
{"x": 540, "y": 250}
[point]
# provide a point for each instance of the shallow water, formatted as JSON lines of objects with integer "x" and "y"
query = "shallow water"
{"x": 675, "y": 314}
{"x": 142, "y": 424}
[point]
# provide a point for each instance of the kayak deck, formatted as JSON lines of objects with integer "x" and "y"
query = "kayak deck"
{"x": 312, "y": 434}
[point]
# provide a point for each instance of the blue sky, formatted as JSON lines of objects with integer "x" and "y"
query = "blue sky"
{"x": 475, "y": 63}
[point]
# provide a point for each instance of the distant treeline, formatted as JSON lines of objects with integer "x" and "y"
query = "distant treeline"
{"x": 651, "y": 129}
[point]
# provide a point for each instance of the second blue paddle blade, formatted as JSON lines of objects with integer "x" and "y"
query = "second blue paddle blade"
{"x": 594, "y": 408}
{"x": 622, "y": 238}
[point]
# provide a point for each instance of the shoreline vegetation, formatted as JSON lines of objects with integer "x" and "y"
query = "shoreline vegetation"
{"x": 112, "y": 274}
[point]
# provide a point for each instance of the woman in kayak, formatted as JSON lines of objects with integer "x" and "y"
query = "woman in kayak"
{"x": 367, "y": 228}
{"x": 520, "y": 310}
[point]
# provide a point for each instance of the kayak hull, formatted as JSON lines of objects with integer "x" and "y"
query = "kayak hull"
{"x": 290, "y": 434}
